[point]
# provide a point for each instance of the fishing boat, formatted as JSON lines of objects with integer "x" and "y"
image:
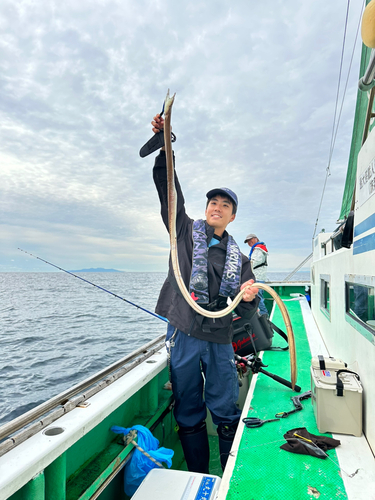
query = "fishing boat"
{"x": 72, "y": 447}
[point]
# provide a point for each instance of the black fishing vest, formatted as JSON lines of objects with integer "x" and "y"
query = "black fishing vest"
{"x": 198, "y": 287}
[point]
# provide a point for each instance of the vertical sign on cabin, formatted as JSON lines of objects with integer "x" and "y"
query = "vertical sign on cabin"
{"x": 366, "y": 183}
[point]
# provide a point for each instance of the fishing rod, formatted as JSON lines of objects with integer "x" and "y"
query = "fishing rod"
{"x": 96, "y": 286}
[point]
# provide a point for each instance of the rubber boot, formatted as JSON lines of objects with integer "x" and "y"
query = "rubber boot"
{"x": 194, "y": 441}
{"x": 226, "y": 436}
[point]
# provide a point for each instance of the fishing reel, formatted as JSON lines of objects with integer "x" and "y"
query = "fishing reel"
{"x": 256, "y": 365}
{"x": 243, "y": 363}
{"x": 251, "y": 361}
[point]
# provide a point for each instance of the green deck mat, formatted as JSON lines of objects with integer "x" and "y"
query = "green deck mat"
{"x": 263, "y": 471}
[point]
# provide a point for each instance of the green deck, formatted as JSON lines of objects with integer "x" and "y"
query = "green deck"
{"x": 262, "y": 470}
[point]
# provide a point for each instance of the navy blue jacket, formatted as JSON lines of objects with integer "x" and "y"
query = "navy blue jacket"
{"x": 171, "y": 304}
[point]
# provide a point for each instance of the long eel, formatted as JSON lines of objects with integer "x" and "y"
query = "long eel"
{"x": 172, "y": 209}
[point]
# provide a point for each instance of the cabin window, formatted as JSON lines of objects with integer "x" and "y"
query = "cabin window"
{"x": 325, "y": 298}
{"x": 360, "y": 303}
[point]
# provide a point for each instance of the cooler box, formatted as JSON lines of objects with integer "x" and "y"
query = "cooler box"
{"x": 325, "y": 363}
{"x": 336, "y": 396}
{"x": 169, "y": 484}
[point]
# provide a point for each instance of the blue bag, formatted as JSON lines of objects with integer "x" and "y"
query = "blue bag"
{"x": 139, "y": 465}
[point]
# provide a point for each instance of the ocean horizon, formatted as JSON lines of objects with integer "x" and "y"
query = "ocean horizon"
{"x": 58, "y": 330}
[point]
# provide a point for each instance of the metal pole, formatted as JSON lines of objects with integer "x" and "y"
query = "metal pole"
{"x": 367, "y": 81}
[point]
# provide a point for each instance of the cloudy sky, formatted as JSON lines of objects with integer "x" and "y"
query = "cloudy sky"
{"x": 255, "y": 85}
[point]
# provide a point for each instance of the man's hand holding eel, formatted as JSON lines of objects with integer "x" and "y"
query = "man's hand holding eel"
{"x": 157, "y": 124}
{"x": 251, "y": 292}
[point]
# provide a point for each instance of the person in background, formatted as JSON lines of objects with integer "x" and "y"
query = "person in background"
{"x": 258, "y": 258}
{"x": 308, "y": 294}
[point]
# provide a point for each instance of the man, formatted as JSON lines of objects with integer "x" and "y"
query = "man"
{"x": 197, "y": 344}
{"x": 258, "y": 258}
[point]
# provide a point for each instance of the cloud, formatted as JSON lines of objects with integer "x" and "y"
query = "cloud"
{"x": 256, "y": 88}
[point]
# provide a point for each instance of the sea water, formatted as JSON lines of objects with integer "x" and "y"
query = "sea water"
{"x": 56, "y": 330}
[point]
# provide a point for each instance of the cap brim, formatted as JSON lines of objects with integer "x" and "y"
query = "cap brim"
{"x": 212, "y": 193}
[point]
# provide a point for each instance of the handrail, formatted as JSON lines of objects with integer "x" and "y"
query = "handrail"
{"x": 324, "y": 243}
{"x": 339, "y": 230}
{"x": 62, "y": 398}
{"x": 332, "y": 237}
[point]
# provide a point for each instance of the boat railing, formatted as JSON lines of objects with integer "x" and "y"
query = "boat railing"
{"x": 325, "y": 243}
{"x": 59, "y": 405}
{"x": 339, "y": 231}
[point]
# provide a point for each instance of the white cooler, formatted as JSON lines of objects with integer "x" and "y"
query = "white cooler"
{"x": 337, "y": 403}
{"x": 169, "y": 484}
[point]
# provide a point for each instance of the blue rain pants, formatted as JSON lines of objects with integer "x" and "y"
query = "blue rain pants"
{"x": 261, "y": 305}
{"x": 189, "y": 357}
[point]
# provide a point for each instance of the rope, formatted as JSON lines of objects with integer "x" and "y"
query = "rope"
{"x": 130, "y": 439}
{"x": 297, "y": 268}
{"x": 346, "y": 83}
{"x": 335, "y": 130}
{"x": 338, "y": 86}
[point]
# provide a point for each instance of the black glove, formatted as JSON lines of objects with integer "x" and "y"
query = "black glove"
{"x": 297, "y": 445}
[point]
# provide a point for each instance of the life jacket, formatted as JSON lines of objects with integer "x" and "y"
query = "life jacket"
{"x": 230, "y": 281}
{"x": 261, "y": 245}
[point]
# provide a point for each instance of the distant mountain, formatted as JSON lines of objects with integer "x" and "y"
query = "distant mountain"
{"x": 96, "y": 270}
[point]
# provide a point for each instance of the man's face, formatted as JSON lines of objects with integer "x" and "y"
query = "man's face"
{"x": 252, "y": 242}
{"x": 219, "y": 213}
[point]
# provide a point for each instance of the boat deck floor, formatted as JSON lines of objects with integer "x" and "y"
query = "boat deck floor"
{"x": 259, "y": 469}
